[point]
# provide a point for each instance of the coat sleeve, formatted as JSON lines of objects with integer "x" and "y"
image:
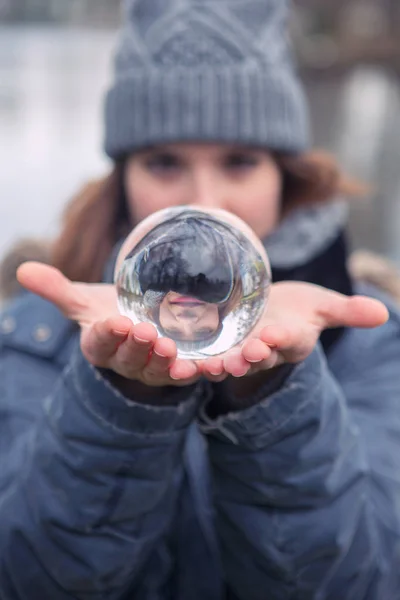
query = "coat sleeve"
{"x": 307, "y": 482}
{"x": 92, "y": 491}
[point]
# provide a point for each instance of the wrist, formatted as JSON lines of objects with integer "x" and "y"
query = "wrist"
{"x": 236, "y": 394}
{"x": 145, "y": 394}
{"x": 110, "y": 408}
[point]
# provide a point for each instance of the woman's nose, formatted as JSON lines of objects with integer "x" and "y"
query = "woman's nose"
{"x": 186, "y": 329}
{"x": 206, "y": 191}
{"x": 187, "y": 315}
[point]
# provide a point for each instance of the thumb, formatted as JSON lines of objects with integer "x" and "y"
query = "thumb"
{"x": 356, "y": 311}
{"x": 49, "y": 283}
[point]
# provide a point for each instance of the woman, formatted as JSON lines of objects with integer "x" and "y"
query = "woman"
{"x": 268, "y": 472}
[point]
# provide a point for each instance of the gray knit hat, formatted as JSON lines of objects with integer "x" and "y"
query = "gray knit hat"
{"x": 205, "y": 70}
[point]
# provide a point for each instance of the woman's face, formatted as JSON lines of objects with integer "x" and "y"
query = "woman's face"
{"x": 243, "y": 181}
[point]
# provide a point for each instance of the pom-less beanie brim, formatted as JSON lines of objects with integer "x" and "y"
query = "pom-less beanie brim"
{"x": 246, "y": 106}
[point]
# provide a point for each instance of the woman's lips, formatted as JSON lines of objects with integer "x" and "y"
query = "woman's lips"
{"x": 186, "y": 301}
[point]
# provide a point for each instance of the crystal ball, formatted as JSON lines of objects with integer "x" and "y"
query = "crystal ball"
{"x": 201, "y": 277}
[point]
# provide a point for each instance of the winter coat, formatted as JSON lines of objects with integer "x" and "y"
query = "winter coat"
{"x": 102, "y": 497}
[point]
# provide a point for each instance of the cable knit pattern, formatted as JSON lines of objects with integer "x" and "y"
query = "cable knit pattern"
{"x": 207, "y": 71}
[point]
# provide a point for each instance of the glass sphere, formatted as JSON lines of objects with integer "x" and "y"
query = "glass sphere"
{"x": 200, "y": 277}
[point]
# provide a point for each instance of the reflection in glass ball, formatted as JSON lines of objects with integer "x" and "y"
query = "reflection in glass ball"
{"x": 197, "y": 278}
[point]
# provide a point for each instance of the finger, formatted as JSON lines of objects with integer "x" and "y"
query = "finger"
{"x": 292, "y": 342}
{"x": 235, "y": 364}
{"x": 255, "y": 351}
{"x": 163, "y": 355}
{"x": 356, "y": 311}
{"x": 212, "y": 366}
{"x": 282, "y": 337}
{"x": 274, "y": 360}
{"x": 213, "y": 369}
{"x": 101, "y": 341}
{"x": 49, "y": 283}
{"x": 145, "y": 333}
{"x": 182, "y": 370}
{"x": 216, "y": 378}
{"x": 134, "y": 352}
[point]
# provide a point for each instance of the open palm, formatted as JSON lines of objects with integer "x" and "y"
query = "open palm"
{"x": 108, "y": 339}
{"x": 292, "y": 323}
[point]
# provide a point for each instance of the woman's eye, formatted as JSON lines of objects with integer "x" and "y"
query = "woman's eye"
{"x": 172, "y": 332}
{"x": 163, "y": 163}
{"x": 240, "y": 161}
{"x": 202, "y": 333}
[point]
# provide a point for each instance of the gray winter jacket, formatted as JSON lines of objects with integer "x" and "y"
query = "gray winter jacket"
{"x": 101, "y": 497}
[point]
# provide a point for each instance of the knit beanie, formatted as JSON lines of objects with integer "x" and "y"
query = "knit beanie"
{"x": 206, "y": 71}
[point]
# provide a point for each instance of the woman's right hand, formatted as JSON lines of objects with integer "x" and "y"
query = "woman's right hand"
{"x": 109, "y": 340}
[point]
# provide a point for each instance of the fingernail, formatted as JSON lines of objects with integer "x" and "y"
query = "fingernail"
{"x": 215, "y": 373}
{"x": 120, "y": 333}
{"x": 138, "y": 339}
{"x": 159, "y": 354}
{"x": 174, "y": 378}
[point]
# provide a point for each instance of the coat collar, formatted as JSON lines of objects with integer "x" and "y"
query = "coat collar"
{"x": 305, "y": 234}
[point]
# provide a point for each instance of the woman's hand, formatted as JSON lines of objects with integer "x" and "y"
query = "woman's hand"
{"x": 109, "y": 340}
{"x": 294, "y": 318}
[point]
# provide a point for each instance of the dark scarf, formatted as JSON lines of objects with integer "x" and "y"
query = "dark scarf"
{"x": 328, "y": 270}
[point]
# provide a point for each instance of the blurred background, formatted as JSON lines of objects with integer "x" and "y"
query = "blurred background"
{"x": 55, "y": 58}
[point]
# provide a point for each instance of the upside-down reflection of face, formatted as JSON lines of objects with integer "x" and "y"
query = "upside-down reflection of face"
{"x": 187, "y": 319}
{"x": 200, "y": 276}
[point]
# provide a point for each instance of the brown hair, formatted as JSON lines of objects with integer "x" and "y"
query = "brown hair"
{"x": 98, "y": 216}
{"x": 313, "y": 178}
{"x": 23, "y": 250}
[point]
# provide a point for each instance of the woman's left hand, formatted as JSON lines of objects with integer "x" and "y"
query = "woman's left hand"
{"x": 295, "y": 316}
